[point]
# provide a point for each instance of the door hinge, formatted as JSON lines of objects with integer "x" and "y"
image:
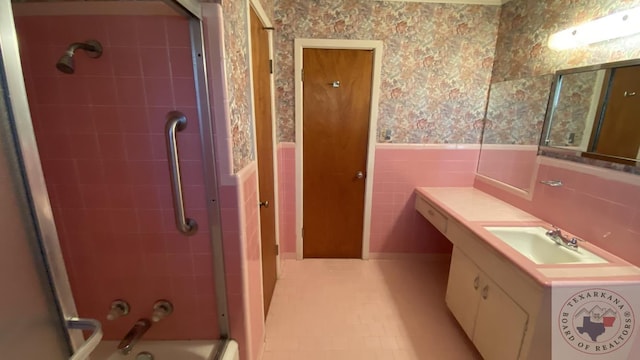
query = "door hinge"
{"x": 270, "y": 66}
{"x": 277, "y": 249}
{"x": 302, "y": 232}
{"x": 302, "y": 72}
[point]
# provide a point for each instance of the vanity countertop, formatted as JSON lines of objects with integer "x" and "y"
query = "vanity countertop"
{"x": 475, "y": 209}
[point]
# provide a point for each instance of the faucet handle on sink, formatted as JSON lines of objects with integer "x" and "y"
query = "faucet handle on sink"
{"x": 554, "y": 231}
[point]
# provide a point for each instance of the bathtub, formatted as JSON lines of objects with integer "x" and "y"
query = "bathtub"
{"x": 167, "y": 350}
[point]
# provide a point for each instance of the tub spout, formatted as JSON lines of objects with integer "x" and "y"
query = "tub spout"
{"x": 134, "y": 335}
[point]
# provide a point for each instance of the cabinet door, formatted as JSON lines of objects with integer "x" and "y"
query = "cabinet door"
{"x": 462, "y": 290}
{"x": 500, "y": 325}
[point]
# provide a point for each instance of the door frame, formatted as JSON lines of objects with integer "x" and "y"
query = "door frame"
{"x": 264, "y": 18}
{"x": 299, "y": 46}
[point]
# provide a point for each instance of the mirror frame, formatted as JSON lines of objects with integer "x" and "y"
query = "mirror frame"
{"x": 585, "y": 157}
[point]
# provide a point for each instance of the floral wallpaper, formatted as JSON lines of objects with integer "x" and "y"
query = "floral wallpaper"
{"x": 269, "y": 7}
{"x": 237, "y": 66}
{"x": 525, "y": 28}
{"x": 522, "y": 56}
{"x": 522, "y": 53}
{"x": 516, "y": 111}
{"x": 436, "y": 69}
{"x": 573, "y": 106}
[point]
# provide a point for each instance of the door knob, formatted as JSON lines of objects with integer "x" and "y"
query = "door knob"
{"x": 359, "y": 175}
{"x": 264, "y": 204}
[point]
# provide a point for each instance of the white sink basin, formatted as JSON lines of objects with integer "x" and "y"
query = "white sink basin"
{"x": 537, "y": 247}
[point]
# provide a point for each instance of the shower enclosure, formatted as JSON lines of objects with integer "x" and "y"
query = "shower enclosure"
{"x": 115, "y": 101}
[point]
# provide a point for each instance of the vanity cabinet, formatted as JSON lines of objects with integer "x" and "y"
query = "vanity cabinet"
{"x": 491, "y": 319}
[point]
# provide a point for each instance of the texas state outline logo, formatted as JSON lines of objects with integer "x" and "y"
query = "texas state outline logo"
{"x": 596, "y": 321}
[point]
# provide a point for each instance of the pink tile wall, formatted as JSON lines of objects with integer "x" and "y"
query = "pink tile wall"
{"x": 235, "y": 263}
{"x": 241, "y": 231}
{"x": 510, "y": 165}
{"x": 100, "y": 136}
{"x": 602, "y": 211}
{"x": 396, "y": 226}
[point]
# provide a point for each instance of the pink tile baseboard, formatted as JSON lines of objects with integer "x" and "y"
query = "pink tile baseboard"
{"x": 599, "y": 205}
{"x": 399, "y": 169}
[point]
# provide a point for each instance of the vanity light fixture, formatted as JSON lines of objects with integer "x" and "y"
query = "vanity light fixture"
{"x": 620, "y": 24}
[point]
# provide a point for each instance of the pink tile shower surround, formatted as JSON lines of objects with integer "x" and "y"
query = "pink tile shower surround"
{"x": 395, "y": 225}
{"x": 241, "y": 231}
{"x": 100, "y": 136}
{"x": 600, "y": 210}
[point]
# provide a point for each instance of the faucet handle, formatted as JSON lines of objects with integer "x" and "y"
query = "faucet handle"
{"x": 119, "y": 308}
{"x": 161, "y": 309}
{"x": 554, "y": 231}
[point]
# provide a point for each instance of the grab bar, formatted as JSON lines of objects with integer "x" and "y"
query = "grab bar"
{"x": 92, "y": 342}
{"x": 176, "y": 121}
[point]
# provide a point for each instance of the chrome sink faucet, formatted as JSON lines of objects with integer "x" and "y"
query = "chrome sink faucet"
{"x": 560, "y": 239}
{"x": 134, "y": 335}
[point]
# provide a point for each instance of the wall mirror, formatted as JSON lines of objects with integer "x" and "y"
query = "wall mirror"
{"x": 594, "y": 113}
{"x": 512, "y": 127}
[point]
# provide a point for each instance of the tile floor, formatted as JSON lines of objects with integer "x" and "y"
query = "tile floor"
{"x": 352, "y": 309}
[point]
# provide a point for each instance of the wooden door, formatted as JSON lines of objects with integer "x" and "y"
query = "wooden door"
{"x": 620, "y": 129}
{"x": 261, "y": 64}
{"x": 336, "y": 112}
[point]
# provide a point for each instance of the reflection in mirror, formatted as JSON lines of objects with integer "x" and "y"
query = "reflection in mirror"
{"x": 618, "y": 131}
{"x": 513, "y": 124}
{"x": 575, "y": 110}
{"x": 594, "y": 111}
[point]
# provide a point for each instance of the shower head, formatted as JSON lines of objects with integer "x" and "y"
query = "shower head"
{"x": 66, "y": 64}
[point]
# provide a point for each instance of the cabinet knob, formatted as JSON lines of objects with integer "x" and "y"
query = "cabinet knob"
{"x": 476, "y": 282}
{"x": 485, "y": 292}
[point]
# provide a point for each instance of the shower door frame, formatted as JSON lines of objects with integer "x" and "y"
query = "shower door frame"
{"x": 34, "y": 177}
{"x": 192, "y": 10}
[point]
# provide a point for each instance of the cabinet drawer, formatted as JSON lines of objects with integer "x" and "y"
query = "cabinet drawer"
{"x": 430, "y": 213}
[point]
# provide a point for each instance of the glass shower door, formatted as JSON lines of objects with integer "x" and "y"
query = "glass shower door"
{"x": 28, "y": 311}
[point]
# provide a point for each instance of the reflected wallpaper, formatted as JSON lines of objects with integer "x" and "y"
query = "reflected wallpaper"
{"x": 523, "y": 57}
{"x": 572, "y": 110}
{"x": 436, "y": 67}
{"x": 516, "y": 111}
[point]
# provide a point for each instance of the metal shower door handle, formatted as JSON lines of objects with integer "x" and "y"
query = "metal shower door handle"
{"x": 176, "y": 121}
{"x": 92, "y": 342}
